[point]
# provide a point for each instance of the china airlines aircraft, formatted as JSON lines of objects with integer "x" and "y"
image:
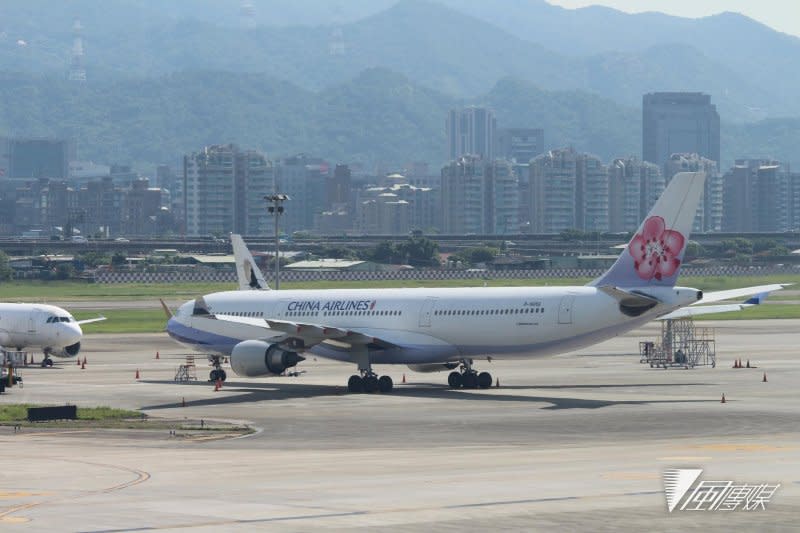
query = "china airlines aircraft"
{"x": 47, "y": 327}
{"x": 266, "y": 332}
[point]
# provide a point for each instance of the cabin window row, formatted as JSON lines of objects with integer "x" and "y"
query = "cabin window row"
{"x": 395, "y": 312}
{"x": 473, "y": 312}
{"x": 255, "y": 314}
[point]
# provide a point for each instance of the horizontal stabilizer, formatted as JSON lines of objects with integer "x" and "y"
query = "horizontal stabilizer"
{"x": 760, "y": 292}
{"x": 686, "y": 312}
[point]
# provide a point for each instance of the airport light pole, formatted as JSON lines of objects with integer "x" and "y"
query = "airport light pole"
{"x": 275, "y": 208}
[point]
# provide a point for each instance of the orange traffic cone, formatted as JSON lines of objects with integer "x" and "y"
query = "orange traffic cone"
{"x": 748, "y": 363}
{"x": 765, "y": 378}
{"x": 404, "y": 378}
{"x": 137, "y": 373}
{"x": 84, "y": 360}
{"x": 723, "y": 398}
{"x": 734, "y": 364}
{"x": 497, "y": 384}
{"x": 32, "y": 361}
{"x": 83, "y": 365}
{"x": 158, "y": 356}
{"x": 183, "y": 401}
{"x": 78, "y": 361}
{"x": 217, "y": 385}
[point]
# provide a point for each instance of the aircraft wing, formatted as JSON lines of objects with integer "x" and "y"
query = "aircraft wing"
{"x": 310, "y": 334}
{"x": 760, "y": 292}
{"x": 90, "y": 320}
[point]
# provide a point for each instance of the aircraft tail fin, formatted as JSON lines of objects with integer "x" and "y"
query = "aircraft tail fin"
{"x": 247, "y": 272}
{"x": 655, "y": 253}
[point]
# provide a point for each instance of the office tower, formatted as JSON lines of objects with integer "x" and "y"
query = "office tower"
{"x": 471, "y": 132}
{"x": 676, "y": 122}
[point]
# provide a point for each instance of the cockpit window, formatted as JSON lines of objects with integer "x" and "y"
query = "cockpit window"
{"x": 63, "y": 319}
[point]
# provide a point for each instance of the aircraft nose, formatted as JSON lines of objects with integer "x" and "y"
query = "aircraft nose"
{"x": 71, "y": 333}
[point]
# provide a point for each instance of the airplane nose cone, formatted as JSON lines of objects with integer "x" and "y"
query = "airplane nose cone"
{"x": 72, "y": 333}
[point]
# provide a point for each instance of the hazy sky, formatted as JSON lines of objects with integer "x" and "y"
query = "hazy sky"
{"x": 783, "y": 15}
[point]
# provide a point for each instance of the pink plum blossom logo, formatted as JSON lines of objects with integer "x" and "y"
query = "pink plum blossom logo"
{"x": 656, "y": 249}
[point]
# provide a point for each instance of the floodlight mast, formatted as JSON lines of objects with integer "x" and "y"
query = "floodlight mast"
{"x": 275, "y": 208}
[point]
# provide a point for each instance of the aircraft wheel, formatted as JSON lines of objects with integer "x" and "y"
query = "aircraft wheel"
{"x": 222, "y": 375}
{"x": 212, "y": 376}
{"x": 370, "y": 384}
{"x": 470, "y": 380}
{"x": 355, "y": 384}
{"x": 385, "y": 384}
{"x": 454, "y": 380}
{"x": 484, "y": 380}
{"x": 48, "y": 362}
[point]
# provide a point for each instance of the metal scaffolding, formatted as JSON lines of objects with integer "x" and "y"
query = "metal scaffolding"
{"x": 682, "y": 345}
{"x": 187, "y": 371}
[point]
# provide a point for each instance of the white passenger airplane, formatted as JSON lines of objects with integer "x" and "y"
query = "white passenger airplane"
{"x": 50, "y": 328}
{"x": 265, "y": 331}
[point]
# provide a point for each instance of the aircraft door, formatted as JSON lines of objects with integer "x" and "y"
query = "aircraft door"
{"x": 565, "y": 309}
{"x": 425, "y": 313}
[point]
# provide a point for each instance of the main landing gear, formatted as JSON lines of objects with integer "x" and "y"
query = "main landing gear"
{"x": 46, "y": 362}
{"x": 217, "y": 373}
{"x": 467, "y": 378}
{"x": 366, "y": 380}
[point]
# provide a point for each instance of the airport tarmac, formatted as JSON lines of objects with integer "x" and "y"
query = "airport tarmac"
{"x": 571, "y": 443}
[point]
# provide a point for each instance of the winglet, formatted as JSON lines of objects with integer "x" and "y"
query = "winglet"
{"x": 165, "y": 308}
{"x": 247, "y": 272}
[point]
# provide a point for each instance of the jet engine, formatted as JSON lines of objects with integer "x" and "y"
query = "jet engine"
{"x": 67, "y": 351}
{"x": 258, "y": 358}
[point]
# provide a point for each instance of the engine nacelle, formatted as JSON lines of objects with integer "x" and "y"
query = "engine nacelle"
{"x": 67, "y": 351}
{"x": 259, "y": 358}
{"x": 433, "y": 367}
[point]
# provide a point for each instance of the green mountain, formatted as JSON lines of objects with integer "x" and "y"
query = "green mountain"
{"x": 432, "y": 44}
{"x": 377, "y": 117}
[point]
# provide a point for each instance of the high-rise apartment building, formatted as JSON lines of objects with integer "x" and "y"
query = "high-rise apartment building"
{"x": 633, "y": 188}
{"x": 464, "y": 196}
{"x": 479, "y": 197}
{"x": 758, "y": 196}
{"x": 709, "y": 212}
{"x": 503, "y": 205}
{"x": 304, "y": 179}
{"x": 224, "y": 189}
{"x": 471, "y": 132}
{"x": 677, "y": 122}
{"x": 568, "y": 190}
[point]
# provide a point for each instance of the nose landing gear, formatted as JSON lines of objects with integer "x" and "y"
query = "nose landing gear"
{"x": 217, "y": 373}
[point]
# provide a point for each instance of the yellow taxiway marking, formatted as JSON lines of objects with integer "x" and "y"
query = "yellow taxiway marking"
{"x": 20, "y": 494}
{"x": 14, "y": 519}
